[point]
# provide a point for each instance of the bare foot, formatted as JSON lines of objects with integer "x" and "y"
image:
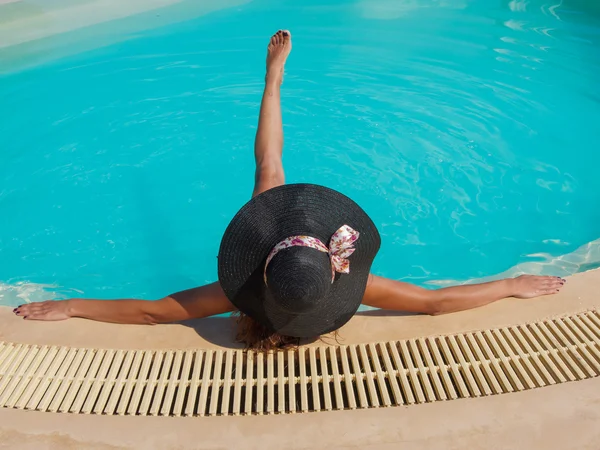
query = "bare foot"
{"x": 530, "y": 286}
{"x": 277, "y": 52}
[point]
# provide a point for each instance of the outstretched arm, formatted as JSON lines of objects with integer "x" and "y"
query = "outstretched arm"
{"x": 191, "y": 304}
{"x": 394, "y": 295}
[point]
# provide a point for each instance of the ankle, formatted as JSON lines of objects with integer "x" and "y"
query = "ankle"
{"x": 274, "y": 77}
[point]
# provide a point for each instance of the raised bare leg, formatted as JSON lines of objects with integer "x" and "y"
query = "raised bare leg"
{"x": 268, "y": 146}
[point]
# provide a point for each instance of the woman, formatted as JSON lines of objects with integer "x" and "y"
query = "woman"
{"x": 295, "y": 261}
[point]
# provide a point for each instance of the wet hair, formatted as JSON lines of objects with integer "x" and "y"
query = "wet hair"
{"x": 256, "y": 336}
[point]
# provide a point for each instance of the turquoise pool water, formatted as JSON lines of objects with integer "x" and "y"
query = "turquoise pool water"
{"x": 469, "y": 130}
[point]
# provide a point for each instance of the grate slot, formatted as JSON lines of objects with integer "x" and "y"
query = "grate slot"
{"x": 137, "y": 385}
{"x": 442, "y": 368}
{"x": 54, "y": 382}
{"x": 505, "y": 364}
{"x": 548, "y": 364}
{"x": 369, "y": 376}
{"x": 147, "y": 388}
{"x": 22, "y": 389}
{"x": 577, "y": 349}
{"x": 119, "y": 383}
{"x": 577, "y": 327}
{"x": 391, "y": 375}
{"x": 432, "y": 370}
{"x": 226, "y": 383}
{"x": 270, "y": 384}
{"x": 337, "y": 379}
{"x": 57, "y": 357}
{"x": 513, "y": 360}
{"x": 238, "y": 383}
{"x": 107, "y": 385}
{"x": 205, "y": 384}
{"x": 485, "y": 363}
{"x": 474, "y": 366}
{"x": 457, "y": 378}
{"x": 415, "y": 385}
{"x": 260, "y": 383}
{"x": 348, "y": 378}
{"x": 509, "y": 334}
{"x": 553, "y": 353}
{"x": 5, "y": 350}
{"x": 464, "y": 369}
{"x": 401, "y": 371}
{"x": 48, "y": 355}
{"x": 595, "y": 318}
{"x": 197, "y": 361}
{"x": 12, "y": 365}
{"x": 326, "y": 379}
{"x": 380, "y": 376}
{"x": 291, "y": 358}
{"x": 171, "y": 383}
{"x": 489, "y": 355}
{"x": 159, "y": 385}
{"x": 66, "y": 396}
{"x": 9, "y": 382}
{"x": 422, "y": 373}
{"x": 8, "y": 359}
{"x": 562, "y": 348}
{"x": 358, "y": 377}
{"x": 250, "y": 382}
{"x": 314, "y": 379}
{"x": 184, "y": 381}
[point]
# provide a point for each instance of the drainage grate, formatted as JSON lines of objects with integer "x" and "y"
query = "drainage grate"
{"x": 208, "y": 382}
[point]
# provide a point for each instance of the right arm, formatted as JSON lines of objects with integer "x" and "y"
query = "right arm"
{"x": 193, "y": 303}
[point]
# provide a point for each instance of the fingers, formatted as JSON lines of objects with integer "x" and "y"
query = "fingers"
{"x": 552, "y": 283}
{"x": 547, "y": 282}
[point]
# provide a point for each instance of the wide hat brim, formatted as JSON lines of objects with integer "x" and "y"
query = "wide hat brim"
{"x": 281, "y": 212}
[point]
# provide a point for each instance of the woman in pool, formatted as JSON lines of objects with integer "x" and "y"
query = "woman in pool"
{"x": 295, "y": 261}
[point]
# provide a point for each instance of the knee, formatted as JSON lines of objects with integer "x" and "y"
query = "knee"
{"x": 270, "y": 173}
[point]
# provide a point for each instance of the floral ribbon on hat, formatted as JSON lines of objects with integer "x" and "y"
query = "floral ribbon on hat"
{"x": 341, "y": 246}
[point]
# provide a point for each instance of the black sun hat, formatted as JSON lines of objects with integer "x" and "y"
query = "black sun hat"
{"x": 297, "y": 258}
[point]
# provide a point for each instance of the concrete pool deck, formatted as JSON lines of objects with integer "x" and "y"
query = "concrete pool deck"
{"x": 561, "y": 416}
{"x": 34, "y": 32}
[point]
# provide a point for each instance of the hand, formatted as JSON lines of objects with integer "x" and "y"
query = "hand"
{"x": 49, "y": 310}
{"x": 530, "y": 286}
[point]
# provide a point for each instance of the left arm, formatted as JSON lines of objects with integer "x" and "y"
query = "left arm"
{"x": 394, "y": 295}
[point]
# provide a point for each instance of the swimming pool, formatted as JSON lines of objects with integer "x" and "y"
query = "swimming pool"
{"x": 468, "y": 130}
